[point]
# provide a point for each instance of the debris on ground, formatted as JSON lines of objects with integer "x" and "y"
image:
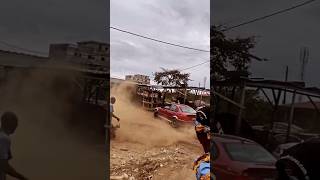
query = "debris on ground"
{"x": 154, "y": 163}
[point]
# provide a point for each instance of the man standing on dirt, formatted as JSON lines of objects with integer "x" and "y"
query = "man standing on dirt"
{"x": 112, "y": 115}
{"x": 9, "y": 123}
{"x": 112, "y": 101}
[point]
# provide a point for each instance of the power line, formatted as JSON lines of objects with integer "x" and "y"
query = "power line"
{"x": 157, "y": 40}
{"x": 269, "y": 15}
{"x": 191, "y": 67}
{"x": 23, "y": 49}
{"x": 164, "y": 69}
{"x": 39, "y": 52}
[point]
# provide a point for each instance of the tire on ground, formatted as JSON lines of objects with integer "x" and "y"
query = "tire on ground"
{"x": 156, "y": 114}
{"x": 174, "y": 122}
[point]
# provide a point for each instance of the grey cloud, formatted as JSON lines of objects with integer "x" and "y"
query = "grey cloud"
{"x": 184, "y": 23}
{"x": 280, "y": 37}
{"x": 36, "y": 23}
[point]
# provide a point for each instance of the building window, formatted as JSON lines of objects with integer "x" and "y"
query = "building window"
{"x": 102, "y": 59}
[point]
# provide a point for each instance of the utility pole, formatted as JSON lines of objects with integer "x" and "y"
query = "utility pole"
{"x": 291, "y": 116}
{"x": 304, "y": 57}
{"x": 286, "y": 80}
{"x": 242, "y": 101}
{"x": 200, "y": 93}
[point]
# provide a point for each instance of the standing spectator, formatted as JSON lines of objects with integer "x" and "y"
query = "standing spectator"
{"x": 9, "y": 123}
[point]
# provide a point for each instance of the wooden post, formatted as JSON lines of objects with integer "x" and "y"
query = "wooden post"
{"x": 291, "y": 115}
{"x": 85, "y": 90}
{"x": 314, "y": 105}
{"x": 218, "y": 95}
{"x": 185, "y": 96}
{"x": 276, "y": 106}
{"x": 232, "y": 97}
{"x": 285, "y": 90}
{"x": 239, "y": 120}
{"x": 265, "y": 94}
{"x": 97, "y": 94}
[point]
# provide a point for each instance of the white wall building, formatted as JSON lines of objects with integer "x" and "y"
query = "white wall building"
{"x": 138, "y": 78}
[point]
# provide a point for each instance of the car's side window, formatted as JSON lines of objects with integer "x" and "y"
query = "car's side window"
{"x": 177, "y": 109}
{"x": 173, "y": 107}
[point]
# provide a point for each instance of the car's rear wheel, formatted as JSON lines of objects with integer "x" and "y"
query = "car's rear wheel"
{"x": 174, "y": 123}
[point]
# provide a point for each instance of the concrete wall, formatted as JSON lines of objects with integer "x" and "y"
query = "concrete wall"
{"x": 138, "y": 78}
{"x": 93, "y": 53}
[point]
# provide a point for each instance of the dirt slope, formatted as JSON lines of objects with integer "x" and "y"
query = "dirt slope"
{"x": 149, "y": 148}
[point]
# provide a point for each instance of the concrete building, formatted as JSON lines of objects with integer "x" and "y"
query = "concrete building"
{"x": 90, "y": 53}
{"x": 91, "y": 80}
{"x": 138, "y": 78}
{"x": 88, "y": 57}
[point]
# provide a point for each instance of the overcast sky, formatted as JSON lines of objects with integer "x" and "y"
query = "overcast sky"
{"x": 184, "y": 22}
{"x": 278, "y": 38}
{"x": 34, "y": 24}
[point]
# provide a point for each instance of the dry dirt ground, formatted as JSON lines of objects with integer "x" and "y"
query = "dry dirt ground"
{"x": 168, "y": 162}
{"x": 149, "y": 148}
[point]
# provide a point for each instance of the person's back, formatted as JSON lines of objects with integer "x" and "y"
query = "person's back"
{"x": 5, "y": 154}
{"x": 9, "y": 123}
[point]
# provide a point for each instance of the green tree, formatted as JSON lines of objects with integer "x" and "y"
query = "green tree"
{"x": 229, "y": 54}
{"x": 172, "y": 78}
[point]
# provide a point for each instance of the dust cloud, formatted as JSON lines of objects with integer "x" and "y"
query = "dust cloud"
{"x": 45, "y": 145}
{"x": 139, "y": 126}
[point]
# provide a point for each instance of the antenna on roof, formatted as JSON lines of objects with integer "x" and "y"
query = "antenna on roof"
{"x": 285, "y": 90}
{"x": 304, "y": 58}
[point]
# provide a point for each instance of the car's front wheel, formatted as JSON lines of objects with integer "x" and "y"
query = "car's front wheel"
{"x": 156, "y": 114}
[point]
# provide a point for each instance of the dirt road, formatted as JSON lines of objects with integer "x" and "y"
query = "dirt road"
{"x": 168, "y": 162}
{"x": 149, "y": 148}
{"x": 46, "y": 145}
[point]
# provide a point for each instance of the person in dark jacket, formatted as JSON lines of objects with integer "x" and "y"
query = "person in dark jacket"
{"x": 201, "y": 165}
{"x": 9, "y": 124}
{"x": 202, "y": 127}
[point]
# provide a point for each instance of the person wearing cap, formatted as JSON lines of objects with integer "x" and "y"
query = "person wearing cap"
{"x": 201, "y": 165}
{"x": 9, "y": 123}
